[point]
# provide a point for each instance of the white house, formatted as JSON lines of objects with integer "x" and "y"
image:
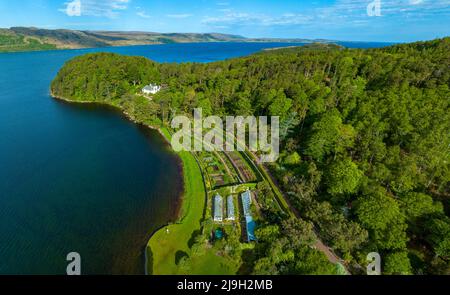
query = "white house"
{"x": 151, "y": 89}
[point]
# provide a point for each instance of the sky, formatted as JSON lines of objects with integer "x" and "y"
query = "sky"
{"x": 349, "y": 20}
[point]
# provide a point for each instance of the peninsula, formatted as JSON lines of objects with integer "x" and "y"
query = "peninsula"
{"x": 355, "y": 171}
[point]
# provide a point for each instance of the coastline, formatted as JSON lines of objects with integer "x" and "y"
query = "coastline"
{"x": 128, "y": 116}
{"x": 154, "y": 44}
{"x": 245, "y": 40}
{"x": 194, "y": 192}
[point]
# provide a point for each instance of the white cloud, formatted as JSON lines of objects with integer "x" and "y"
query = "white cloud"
{"x": 392, "y": 6}
{"x": 73, "y": 8}
{"x": 184, "y": 15}
{"x": 239, "y": 18}
{"x": 142, "y": 14}
{"x": 340, "y": 13}
{"x": 101, "y": 8}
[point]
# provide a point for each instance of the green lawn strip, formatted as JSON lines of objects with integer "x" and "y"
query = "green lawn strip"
{"x": 212, "y": 264}
{"x": 173, "y": 239}
{"x": 210, "y": 258}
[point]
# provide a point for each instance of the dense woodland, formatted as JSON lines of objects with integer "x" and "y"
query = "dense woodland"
{"x": 365, "y": 142}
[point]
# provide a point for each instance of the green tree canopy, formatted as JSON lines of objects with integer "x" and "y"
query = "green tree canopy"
{"x": 343, "y": 177}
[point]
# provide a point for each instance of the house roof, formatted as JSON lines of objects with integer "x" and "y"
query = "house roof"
{"x": 230, "y": 207}
{"x": 218, "y": 207}
{"x": 250, "y": 224}
{"x": 246, "y": 202}
{"x": 150, "y": 87}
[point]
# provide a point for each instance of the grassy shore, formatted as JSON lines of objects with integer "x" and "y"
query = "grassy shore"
{"x": 171, "y": 243}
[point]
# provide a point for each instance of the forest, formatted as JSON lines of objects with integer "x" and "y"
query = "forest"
{"x": 365, "y": 134}
{"x": 10, "y": 42}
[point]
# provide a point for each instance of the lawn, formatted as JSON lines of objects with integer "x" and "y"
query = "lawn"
{"x": 171, "y": 243}
{"x": 212, "y": 264}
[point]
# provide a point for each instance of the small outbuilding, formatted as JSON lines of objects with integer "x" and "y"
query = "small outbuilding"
{"x": 151, "y": 89}
{"x": 230, "y": 208}
{"x": 250, "y": 224}
{"x": 218, "y": 208}
{"x": 246, "y": 203}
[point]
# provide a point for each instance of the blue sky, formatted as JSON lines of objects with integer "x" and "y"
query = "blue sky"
{"x": 397, "y": 20}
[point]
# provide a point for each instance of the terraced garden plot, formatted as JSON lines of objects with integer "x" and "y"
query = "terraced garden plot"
{"x": 245, "y": 172}
{"x": 219, "y": 171}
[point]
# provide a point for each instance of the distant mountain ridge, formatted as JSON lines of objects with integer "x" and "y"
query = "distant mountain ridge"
{"x": 29, "y": 38}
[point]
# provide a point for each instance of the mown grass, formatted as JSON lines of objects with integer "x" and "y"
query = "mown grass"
{"x": 167, "y": 245}
{"x": 212, "y": 264}
{"x": 171, "y": 243}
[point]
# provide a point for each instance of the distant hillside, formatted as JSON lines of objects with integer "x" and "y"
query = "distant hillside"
{"x": 28, "y": 39}
{"x": 10, "y": 41}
